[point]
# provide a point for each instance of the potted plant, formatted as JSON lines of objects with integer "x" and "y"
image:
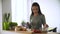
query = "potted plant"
{"x": 12, "y": 25}
{"x": 6, "y": 21}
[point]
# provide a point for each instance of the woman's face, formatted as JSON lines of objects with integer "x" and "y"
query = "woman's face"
{"x": 35, "y": 9}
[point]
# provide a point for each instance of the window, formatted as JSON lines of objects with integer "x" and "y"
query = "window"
{"x": 19, "y": 11}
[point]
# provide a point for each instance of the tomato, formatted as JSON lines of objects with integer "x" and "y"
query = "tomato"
{"x": 37, "y": 31}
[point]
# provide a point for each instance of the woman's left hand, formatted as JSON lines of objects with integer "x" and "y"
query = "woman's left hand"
{"x": 46, "y": 26}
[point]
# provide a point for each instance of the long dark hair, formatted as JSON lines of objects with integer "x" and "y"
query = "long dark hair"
{"x": 36, "y": 4}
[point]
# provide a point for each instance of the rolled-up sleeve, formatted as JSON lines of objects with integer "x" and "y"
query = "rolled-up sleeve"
{"x": 43, "y": 20}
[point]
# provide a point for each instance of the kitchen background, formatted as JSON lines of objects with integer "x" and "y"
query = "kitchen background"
{"x": 21, "y": 10}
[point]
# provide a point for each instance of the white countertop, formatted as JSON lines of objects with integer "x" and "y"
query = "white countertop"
{"x": 23, "y": 32}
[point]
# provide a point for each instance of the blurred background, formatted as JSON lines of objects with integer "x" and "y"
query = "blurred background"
{"x": 20, "y": 10}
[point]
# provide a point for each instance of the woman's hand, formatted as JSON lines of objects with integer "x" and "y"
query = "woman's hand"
{"x": 46, "y": 26}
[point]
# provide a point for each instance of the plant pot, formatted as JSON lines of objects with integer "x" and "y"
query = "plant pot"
{"x": 5, "y": 26}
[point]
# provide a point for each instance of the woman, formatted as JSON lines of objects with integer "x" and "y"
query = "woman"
{"x": 37, "y": 18}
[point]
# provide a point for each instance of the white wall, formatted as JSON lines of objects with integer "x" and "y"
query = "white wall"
{"x": 51, "y": 10}
{"x": 0, "y": 16}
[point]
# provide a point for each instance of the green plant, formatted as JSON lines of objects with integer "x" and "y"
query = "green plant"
{"x": 6, "y": 24}
{"x": 6, "y": 17}
{"x": 6, "y": 21}
{"x": 23, "y": 23}
{"x": 12, "y": 25}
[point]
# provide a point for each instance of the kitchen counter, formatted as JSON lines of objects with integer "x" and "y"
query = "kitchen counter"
{"x": 24, "y": 32}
